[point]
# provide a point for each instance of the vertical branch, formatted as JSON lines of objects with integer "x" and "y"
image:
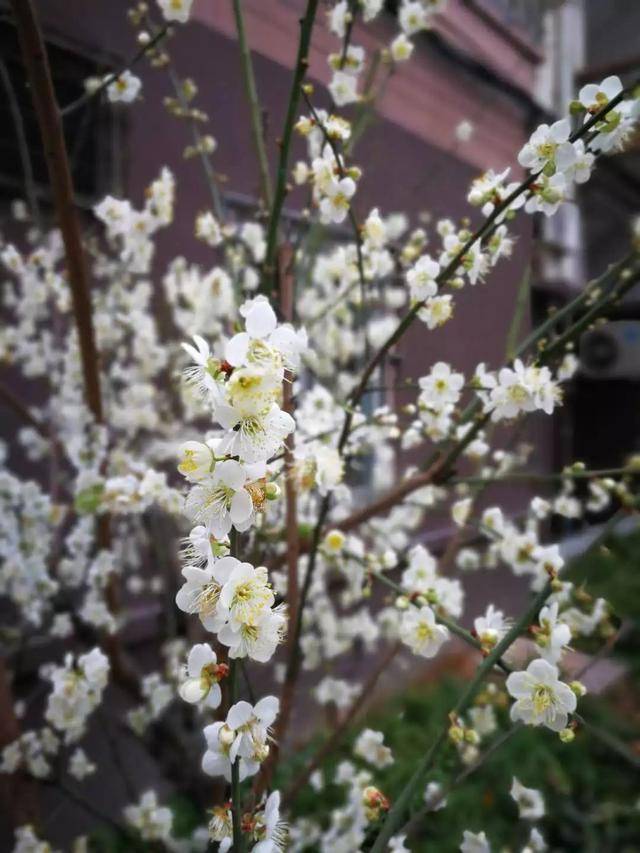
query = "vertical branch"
{"x": 236, "y": 809}
{"x": 287, "y": 293}
{"x": 302, "y": 62}
{"x": 254, "y": 105}
{"x": 51, "y": 132}
{"x": 234, "y": 666}
{"x": 50, "y": 124}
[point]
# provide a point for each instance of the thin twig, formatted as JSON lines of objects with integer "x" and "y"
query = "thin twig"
{"x": 236, "y": 805}
{"x": 415, "y": 821}
{"x": 610, "y": 740}
{"x": 50, "y": 123}
{"x": 254, "y": 105}
{"x": 535, "y": 477}
{"x": 302, "y": 61}
{"x": 446, "y": 274}
{"x": 111, "y": 78}
{"x": 209, "y": 173}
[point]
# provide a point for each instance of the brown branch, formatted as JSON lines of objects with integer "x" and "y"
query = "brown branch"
{"x": 390, "y": 498}
{"x": 286, "y": 287}
{"x": 50, "y": 124}
{"x": 383, "y": 504}
{"x": 287, "y": 293}
{"x": 51, "y": 132}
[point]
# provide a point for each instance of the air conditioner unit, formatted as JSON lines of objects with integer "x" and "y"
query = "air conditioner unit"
{"x": 611, "y": 351}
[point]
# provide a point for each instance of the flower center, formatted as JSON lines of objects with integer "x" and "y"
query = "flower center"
{"x": 543, "y": 698}
{"x": 208, "y": 598}
{"x": 424, "y": 631}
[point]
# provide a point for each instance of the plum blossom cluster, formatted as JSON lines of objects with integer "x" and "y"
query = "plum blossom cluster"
{"x": 230, "y": 486}
{"x": 348, "y": 63}
{"x": 262, "y": 827}
{"x": 243, "y": 365}
{"x": 514, "y": 390}
{"x": 77, "y": 689}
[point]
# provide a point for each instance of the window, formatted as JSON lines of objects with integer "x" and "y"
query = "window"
{"x": 89, "y": 130}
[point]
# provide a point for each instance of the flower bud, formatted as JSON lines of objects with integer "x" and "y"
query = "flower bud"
{"x": 456, "y": 734}
{"x": 567, "y": 735}
{"x": 578, "y": 688}
{"x": 272, "y": 491}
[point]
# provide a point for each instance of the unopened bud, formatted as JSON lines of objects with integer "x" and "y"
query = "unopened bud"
{"x": 578, "y": 688}
{"x": 272, "y": 491}
{"x": 567, "y": 735}
{"x": 456, "y": 734}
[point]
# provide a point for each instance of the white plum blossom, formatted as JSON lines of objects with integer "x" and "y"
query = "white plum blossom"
{"x": 197, "y": 460}
{"x": 529, "y": 800}
{"x": 201, "y": 590}
{"x": 246, "y": 592}
{"x": 203, "y": 677}
{"x": 420, "y": 631}
{"x": 151, "y": 820}
{"x": 370, "y": 747}
{"x": 491, "y": 627}
{"x": 80, "y": 766}
{"x": 547, "y": 194}
{"x": 441, "y": 386}
{"x": 176, "y": 10}
{"x": 221, "y": 500}
{"x": 256, "y": 638}
{"x": 412, "y": 16}
{"x": 267, "y": 829}
{"x": 343, "y": 88}
{"x": 517, "y": 389}
{"x": 552, "y": 635}
{"x": 208, "y": 229}
{"x": 437, "y": 310}
{"x": 401, "y": 48}
{"x": 549, "y": 146}
{"x": 77, "y": 689}
{"x": 540, "y": 697}
{"x": 334, "y": 206}
{"x": 243, "y": 737}
{"x": 594, "y": 97}
{"x": 125, "y": 88}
